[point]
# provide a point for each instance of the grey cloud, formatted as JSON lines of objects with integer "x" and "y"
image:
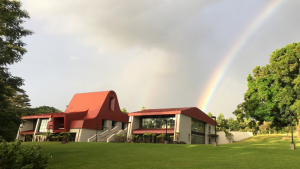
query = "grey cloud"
{"x": 162, "y": 52}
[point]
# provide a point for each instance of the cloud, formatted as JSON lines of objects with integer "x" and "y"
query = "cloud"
{"x": 159, "y": 53}
{"x": 125, "y": 24}
{"x": 73, "y": 57}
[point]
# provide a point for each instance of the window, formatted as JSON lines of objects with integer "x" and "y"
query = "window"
{"x": 157, "y": 121}
{"x": 112, "y": 103}
{"x": 197, "y": 126}
{"x": 198, "y": 139}
{"x": 103, "y": 127}
{"x": 43, "y": 126}
{"x": 113, "y": 124}
{"x": 34, "y": 124}
{"x": 124, "y": 125}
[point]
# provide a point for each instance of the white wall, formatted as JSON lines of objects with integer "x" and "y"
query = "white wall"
{"x": 135, "y": 124}
{"x": 108, "y": 124}
{"x": 238, "y": 135}
{"x": 75, "y": 131}
{"x": 206, "y": 128}
{"x": 27, "y": 126}
{"x": 118, "y": 123}
{"x": 209, "y": 133}
{"x": 84, "y": 134}
{"x": 184, "y": 126}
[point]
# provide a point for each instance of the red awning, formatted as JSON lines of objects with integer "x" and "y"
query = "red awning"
{"x": 154, "y": 131}
{"x": 27, "y": 132}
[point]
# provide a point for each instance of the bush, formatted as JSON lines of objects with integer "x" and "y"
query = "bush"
{"x": 12, "y": 155}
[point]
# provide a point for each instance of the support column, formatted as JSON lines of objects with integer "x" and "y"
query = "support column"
{"x": 38, "y": 123}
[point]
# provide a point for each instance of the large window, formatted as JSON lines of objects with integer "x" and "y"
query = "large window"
{"x": 43, "y": 126}
{"x": 198, "y": 132}
{"x": 198, "y": 139}
{"x": 157, "y": 121}
{"x": 197, "y": 126}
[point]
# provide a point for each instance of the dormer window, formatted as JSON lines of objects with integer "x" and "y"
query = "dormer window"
{"x": 112, "y": 103}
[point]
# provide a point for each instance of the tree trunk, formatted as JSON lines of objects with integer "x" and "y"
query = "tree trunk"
{"x": 298, "y": 129}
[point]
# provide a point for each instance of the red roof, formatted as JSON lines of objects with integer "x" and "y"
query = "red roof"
{"x": 86, "y": 110}
{"x": 189, "y": 111}
{"x": 90, "y": 102}
{"x": 46, "y": 115}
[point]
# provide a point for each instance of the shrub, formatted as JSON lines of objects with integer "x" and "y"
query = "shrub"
{"x": 65, "y": 137}
{"x": 228, "y": 135}
{"x": 161, "y": 138}
{"x": 48, "y": 136}
{"x": 12, "y": 155}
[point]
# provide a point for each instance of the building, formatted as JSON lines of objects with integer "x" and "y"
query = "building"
{"x": 97, "y": 116}
{"x": 193, "y": 125}
{"x": 86, "y": 115}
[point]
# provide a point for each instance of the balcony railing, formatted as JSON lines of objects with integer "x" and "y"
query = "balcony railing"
{"x": 61, "y": 126}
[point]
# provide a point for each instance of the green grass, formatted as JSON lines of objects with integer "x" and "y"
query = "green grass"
{"x": 265, "y": 151}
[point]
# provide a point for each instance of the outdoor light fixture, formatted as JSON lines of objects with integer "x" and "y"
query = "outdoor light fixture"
{"x": 166, "y": 129}
{"x": 215, "y": 143}
{"x": 96, "y": 132}
{"x": 292, "y": 143}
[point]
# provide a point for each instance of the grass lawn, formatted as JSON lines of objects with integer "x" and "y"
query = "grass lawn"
{"x": 265, "y": 151}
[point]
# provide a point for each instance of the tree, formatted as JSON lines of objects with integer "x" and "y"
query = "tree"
{"x": 265, "y": 127}
{"x": 42, "y": 110}
{"x": 232, "y": 124}
{"x": 143, "y": 108}
{"x": 222, "y": 122}
{"x": 11, "y": 51}
{"x": 273, "y": 90}
{"x": 124, "y": 111}
{"x": 261, "y": 97}
{"x": 18, "y": 107}
{"x": 285, "y": 63}
{"x": 209, "y": 114}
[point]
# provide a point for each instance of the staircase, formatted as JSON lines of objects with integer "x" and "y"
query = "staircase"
{"x": 113, "y": 136}
{"x": 102, "y": 137}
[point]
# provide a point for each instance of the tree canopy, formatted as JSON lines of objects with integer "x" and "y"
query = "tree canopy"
{"x": 12, "y": 98}
{"x": 124, "y": 111}
{"x": 210, "y": 115}
{"x": 42, "y": 110}
{"x": 273, "y": 89}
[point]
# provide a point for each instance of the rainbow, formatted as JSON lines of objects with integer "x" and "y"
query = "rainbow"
{"x": 214, "y": 82}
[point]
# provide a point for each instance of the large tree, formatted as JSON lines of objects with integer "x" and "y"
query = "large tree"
{"x": 273, "y": 90}
{"x": 11, "y": 51}
{"x": 285, "y": 63}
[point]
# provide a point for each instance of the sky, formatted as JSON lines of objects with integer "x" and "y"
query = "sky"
{"x": 157, "y": 54}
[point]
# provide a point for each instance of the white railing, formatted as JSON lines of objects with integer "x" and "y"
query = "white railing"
{"x": 93, "y": 138}
{"x": 112, "y": 137}
{"x": 103, "y": 134}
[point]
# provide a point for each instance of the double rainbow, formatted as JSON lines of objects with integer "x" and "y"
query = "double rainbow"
{"x": 214, "y": 82}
